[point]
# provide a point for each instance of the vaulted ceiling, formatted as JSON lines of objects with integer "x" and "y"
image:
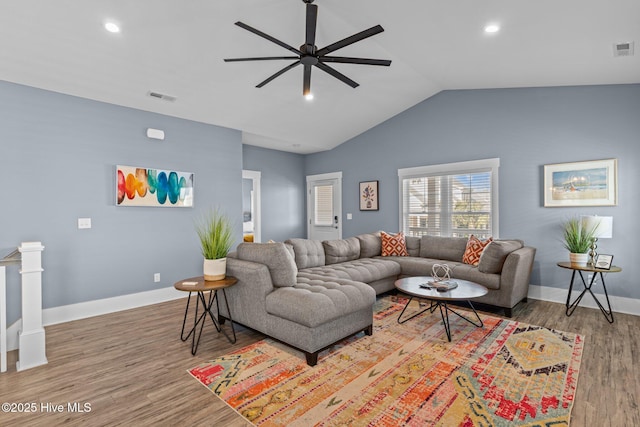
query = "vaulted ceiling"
{"x": 176, "y": 48}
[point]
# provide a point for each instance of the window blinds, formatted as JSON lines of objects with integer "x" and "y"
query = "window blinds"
{"x": 457, "y": 203}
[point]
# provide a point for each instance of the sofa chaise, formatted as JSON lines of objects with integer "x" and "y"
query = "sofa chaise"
{"x": 311, "y": 294}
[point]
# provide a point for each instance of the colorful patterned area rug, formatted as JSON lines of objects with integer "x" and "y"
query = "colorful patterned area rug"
{"x": 504, "y": 374}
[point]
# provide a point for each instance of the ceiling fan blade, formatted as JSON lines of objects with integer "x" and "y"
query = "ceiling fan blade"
{"x": 268, "y": 37}
{"x": 337, "y": 74}
{"x": 284, "y": 70}
{"x": 312, "y": 21}
{"x": 364, "y": 61}
{"x": 260, "y": 58}
{"x": 306, "y": 80}
{"x": 350, "y": 40}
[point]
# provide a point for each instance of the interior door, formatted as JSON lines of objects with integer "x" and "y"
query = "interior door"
{"x": 251, "y": 224}
{"x": 324, "y": 206}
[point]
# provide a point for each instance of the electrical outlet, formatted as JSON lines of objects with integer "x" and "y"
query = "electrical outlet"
{"x": 156, "y": 277}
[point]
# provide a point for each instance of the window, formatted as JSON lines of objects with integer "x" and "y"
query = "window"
{"x": 323, "y": 205}
{"x": 455, "y": 199}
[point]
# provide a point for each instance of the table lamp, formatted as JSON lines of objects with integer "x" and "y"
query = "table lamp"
{"x": 603, "y": 229}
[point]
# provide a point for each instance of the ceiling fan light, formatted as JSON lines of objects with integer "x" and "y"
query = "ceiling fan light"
{"x": 491, "y": 28}
{"x": 112, "y": 27}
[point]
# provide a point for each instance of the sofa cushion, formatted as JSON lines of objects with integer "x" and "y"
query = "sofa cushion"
{"x": 341, "y": 250}
{"x": 275, "y": 256}
{"x": 370, "y": 245}
{"x": 472, "y": 274}
{"x": 315, "y": 301}
{"x": 365, "y": 270}
{"x": 474, "y": 249}
{"x": 393, "y": 245}
{"x": 413, "y": 245}
{"x": 307, "y": 253}
{"x": 494, "y": 255}
{"x": 416, "y": 266}
{"x": 443, "y": 248}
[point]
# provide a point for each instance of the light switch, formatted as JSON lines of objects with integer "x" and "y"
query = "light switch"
{"x": 349, "y": 216}
{"x": 84, "y": 223}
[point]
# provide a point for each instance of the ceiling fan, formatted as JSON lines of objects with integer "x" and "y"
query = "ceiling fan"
{"x": 309, "y": 55}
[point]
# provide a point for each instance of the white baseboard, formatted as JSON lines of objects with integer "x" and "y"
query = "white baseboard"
{"x": 83, "y": 310}
{"x": 618, "y": 304}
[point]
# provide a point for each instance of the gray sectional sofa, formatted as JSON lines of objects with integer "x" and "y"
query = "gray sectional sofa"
{"x": 311, "y": 294}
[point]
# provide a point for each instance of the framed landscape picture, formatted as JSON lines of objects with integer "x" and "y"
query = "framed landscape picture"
{"x": 590, "y": 183}
{"x": 369, "y": 196}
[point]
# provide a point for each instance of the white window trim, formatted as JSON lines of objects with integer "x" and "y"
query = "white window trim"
{"x": 448, "y": 168}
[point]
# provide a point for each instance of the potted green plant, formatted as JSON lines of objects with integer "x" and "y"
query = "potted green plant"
{"x": 577, "y": 240}
{"x": 216, "y": 238}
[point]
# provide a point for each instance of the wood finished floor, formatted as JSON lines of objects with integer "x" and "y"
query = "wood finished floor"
{"x": 131, "y": 368}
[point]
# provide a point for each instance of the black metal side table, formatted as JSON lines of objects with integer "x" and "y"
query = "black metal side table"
{"x": 201, "y": 286}
{"x": 571, "y": 306}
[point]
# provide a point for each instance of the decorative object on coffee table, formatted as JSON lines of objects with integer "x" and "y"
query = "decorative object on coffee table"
{"x": 369, "y": 196}
{"x": 216, "y": 237}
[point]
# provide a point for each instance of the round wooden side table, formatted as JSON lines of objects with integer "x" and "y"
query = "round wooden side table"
{"x": 201, "y": 286}
{"x": 571, "y": 306}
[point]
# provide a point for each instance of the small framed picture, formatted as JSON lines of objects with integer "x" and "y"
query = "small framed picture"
{"x": 603, "y": 261}
{"x": 369, "y": 196}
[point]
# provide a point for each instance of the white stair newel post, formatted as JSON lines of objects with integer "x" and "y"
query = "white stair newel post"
{"x": 31, "y": 347}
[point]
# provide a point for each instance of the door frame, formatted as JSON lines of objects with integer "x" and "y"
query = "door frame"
{"x": 255, "y": 176}
{"x": 311, "y": 179}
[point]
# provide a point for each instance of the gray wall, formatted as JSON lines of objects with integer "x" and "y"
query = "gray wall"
{"x": 57, "y": 163}
{"x": 526, "y": 129}
{"x": 282, "y": 191}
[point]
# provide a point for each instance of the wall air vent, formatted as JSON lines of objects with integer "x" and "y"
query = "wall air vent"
{"x": 623, "y": 49}
{"x": 162, "y": 96}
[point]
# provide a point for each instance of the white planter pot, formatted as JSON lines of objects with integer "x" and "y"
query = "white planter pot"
{"x": 579, "y": 259}
{"x": 215, "y": 269}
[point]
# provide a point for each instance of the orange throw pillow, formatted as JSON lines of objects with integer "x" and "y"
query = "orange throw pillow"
{"x": 393, "y": 245}
{"x": 474, "y": 249}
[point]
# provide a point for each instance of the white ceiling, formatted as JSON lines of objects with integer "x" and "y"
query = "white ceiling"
{"x": 177, "y": 48}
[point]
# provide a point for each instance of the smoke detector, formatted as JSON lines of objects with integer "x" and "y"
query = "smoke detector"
{"x": 623, "y": 49}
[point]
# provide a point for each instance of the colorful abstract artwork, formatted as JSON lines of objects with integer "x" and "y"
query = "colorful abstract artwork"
{"x": 136, "y": 186}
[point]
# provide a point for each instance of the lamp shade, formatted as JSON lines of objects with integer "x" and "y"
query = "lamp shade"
{"x": 603, "y": 225}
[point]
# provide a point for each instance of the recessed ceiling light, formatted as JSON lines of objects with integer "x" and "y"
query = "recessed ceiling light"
{"x": 112, "y": 27}
{"x": 492, "y": 28}
{"x": 308, "y": 96}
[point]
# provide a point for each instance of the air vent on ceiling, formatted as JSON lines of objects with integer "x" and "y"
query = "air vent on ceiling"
{"x": 162, "y": 96}
{"x": 623, "y": 49}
